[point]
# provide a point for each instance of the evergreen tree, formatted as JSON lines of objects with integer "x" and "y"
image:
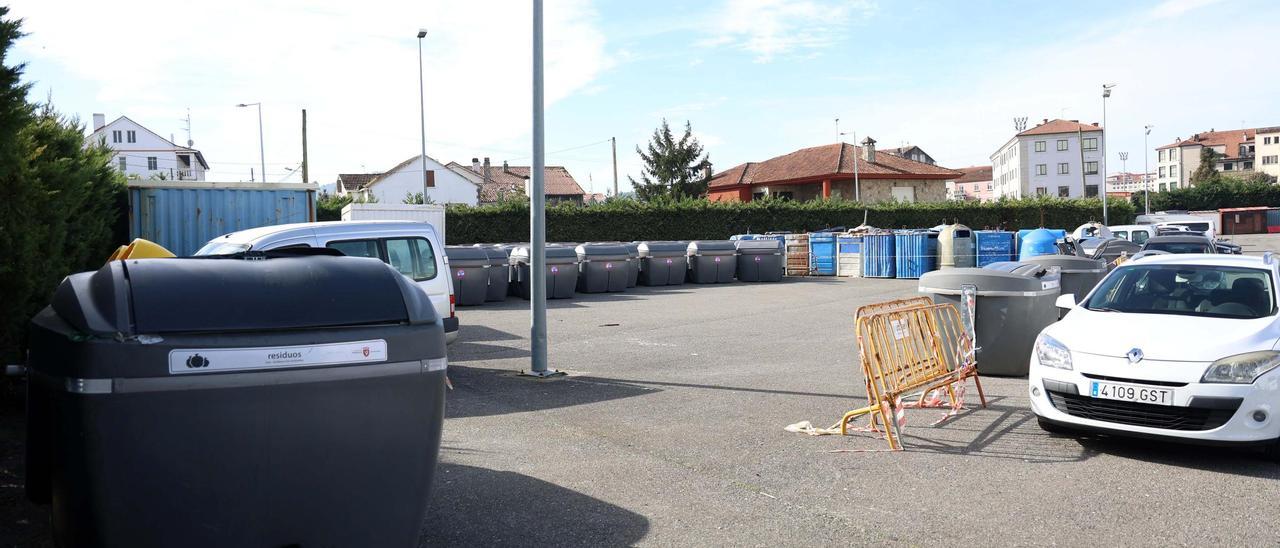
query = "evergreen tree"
{"x": 673, "y": 168}
{"x": 17, "y": 198}
{"x": 1207, "y": 172}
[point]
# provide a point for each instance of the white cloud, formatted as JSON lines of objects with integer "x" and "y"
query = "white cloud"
{"x": 353, "y": 66}
{"x": 1174, "y": 8}
{"x": 772, "y": 28}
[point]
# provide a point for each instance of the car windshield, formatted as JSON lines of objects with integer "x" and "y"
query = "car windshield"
{"x": 1190, "y": 290}
{"x": 222, "y": 248}
{"x": 1178, "y": 247}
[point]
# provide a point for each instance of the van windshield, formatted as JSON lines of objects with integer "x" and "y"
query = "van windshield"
{"x": 222, "y": 248}
{"x": 1189, "y": 290}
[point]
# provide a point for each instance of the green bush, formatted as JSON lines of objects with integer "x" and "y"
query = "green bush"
{"x": 630, "y": 220}
{"x": 1257, "y": 189}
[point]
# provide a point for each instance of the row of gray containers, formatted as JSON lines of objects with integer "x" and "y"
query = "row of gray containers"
{"x": 484, "y": 273}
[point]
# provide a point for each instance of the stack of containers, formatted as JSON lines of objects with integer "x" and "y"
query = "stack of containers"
{"x": 993, "y": 246}
{"x": 878, "y": 254}
{"x": 849, "y": 255}
{"x": 822, "y": 253}
{"x": 917, "y": 253}
{"x": 797, "y": 254}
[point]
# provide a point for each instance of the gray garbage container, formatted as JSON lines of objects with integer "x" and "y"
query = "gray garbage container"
{"x": 499, "y": 272}
{"x": 712, "y": 261}
{"x": 663, "y": 263}
{"x": 562, "y": 271}
{"x": 469, "y": 268}
{"x": 760, "y": 260}
{"x": 1013, "y": 302}
{"x": 602, "y": 268}
{"x": 1079, "y": 274}
{"x": 633, "y": 265}
{"x": 227, "y": 402}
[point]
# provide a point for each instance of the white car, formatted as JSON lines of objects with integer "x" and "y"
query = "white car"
{"x": 1183, "y": 347}
{"x": 1138, "y": 234}
{"x": 413, "y": 248}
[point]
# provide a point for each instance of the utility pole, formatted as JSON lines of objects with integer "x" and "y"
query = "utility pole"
{"x": 614, "y": 143}
{"x": 422, "y": 116}
{"x": 537, "y": 219}
{"x": 1106, "y": 92}
{"x": 1146, "y": 179}
{"x": 305, "y": 174}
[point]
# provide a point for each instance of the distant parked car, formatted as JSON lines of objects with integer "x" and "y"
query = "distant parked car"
{"x": 413, "y": 248}
{"x": 1188, "y": 243}
{"x": 1171, "y": 346}
{"x": 1137, "y": 234}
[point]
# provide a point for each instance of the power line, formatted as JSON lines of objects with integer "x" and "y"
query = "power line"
{"x": 562, "y": 150}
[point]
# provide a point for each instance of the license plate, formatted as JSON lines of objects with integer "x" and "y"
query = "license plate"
{"x": 1137, "y": 394}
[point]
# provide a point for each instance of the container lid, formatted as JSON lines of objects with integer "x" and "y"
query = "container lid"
{"x": 555, "y": 254}
{"x": 1069, "y": 263}
{"x": 155, "y": 296}
{"x": 1007, "y": 278}
{"x": 759, "y": 247}
{"x": 466, "y": 256}
{"x": 663, "y": 249}
{"x": 602, "y": 252}
{"x": 497, "y": 253}
{"x": 712, "y": 247}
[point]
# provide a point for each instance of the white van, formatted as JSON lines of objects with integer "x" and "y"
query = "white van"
{"x": 413, "y": 248}
{"x": 1203, "y": 224}
{"x": 1138, "y": 234}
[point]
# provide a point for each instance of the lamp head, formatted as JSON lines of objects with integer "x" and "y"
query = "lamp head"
{"x": 422, "y": 33}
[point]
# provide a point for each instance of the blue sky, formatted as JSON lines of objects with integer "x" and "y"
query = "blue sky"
{"x": 756, "y": 78}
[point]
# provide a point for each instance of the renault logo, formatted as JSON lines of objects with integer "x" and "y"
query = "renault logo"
{"x": 1134, "y": 355}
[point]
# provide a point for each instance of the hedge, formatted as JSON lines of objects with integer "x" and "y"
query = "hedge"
{"x": 630, "y": 220}
{"x": 1258, "y": 190}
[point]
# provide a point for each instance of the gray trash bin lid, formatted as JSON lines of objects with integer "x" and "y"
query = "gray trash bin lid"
{"x": 1070, "y": 264}
{"x": 466, "y": 256}
{"x": 759, "y": 247}
{"x": 498, "y": 255}
{"x": 663, "y": 249}
{"x": 602, "y": 252}
{"x": 555, "y": 255}
{"x": 711, "y": 248}
{"x": 1007, "y": 279}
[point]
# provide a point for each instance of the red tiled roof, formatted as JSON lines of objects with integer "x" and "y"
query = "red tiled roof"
{"x": 1230, "y": 139}
{"x": 355, "y": 181}
{"x": 974, "y": 174}
{"x": 506, "y": 179}
{"x": 827, "y": 161}
{"x": 1060, "y": 126}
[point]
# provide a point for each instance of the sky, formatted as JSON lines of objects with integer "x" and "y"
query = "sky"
{"x": 754, "y": 78}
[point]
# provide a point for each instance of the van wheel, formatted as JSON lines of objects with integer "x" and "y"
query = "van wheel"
{"x": 1053, "y": 428}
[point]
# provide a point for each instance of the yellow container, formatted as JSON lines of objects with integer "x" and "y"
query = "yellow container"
{"x": 140, "y": 249}
{"x": 955, "y": 247}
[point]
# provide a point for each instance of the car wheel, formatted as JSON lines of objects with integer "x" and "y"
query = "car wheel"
{"x": 1052, "y": 428}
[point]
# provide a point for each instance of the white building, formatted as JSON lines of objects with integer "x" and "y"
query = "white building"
{"x": 1239, "y": 151}
{"x": 1049, "y": 160}
{"x": 1130, "y": 182}
{"x": 392, "y": 186}
{"x": 142, "y": 153}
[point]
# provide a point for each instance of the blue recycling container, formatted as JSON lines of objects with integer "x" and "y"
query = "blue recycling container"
{"x": 1057, "y": 233}
{"x": 994, "y": 246}
{"x": 1041, "y": 241}
{"x": 917, "y": 253}
{"x": 822, "y": 253}
{"x": 878, "y": 253}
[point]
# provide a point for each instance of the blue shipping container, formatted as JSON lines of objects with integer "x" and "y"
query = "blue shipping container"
{"x": 994, "y": 246}
{"x": 917, "y": 253}
{"x": 183, "y": 216}
{"x": 822, "y": 253}
{"x": 878, "y": 256}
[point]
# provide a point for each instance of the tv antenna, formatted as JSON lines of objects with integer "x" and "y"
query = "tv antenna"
{"x": 187, "y": 127}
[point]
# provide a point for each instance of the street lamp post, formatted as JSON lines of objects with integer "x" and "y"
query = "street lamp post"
{"x": 1106, "y": 92}
{"x": 262, "y": 153}
{"x": 1124, "y": 168}
{"x": 1146, "y": 174}
{"x": 422, "y": 114}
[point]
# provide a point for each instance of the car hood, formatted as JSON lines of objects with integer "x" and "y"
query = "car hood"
{"x": 1166, "y": 337}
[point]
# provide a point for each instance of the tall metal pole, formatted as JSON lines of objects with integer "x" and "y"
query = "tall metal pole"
{"x": 262, "y": 150}
{"x": 537, "y": 219}
{"x": 1106, "y": 92}
{"x": 422, "y": 114}
{"x": 614, "y": 143}
{"x": 1146, "y": 179}
{"x": 306, "y": 176}
{"x": 857, "y": 188}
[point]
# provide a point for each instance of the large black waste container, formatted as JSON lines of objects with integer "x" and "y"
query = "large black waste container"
{"x": 1079, "y": 274}
{"x": 633, "y": 265}
{"x": 712, "y": 261}
{"x": 760, "y": 260}
{"x": 469, "y": 268}
{"x": 561, "y": 268}
{"x": 227, "y": 402}
{"x": 663, "y": 263}
{"x": 499, "y": 272}
{"x": 602, "y": 268}
{"x": 1012, "y": 302}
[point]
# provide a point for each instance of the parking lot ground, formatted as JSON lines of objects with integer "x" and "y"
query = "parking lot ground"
{"x": 669, "y": 432}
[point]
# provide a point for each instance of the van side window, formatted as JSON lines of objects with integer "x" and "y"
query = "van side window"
{"x": 357, "y": 248}
{"x": 1140, "y": 236}
{"x": 413, "y": 257}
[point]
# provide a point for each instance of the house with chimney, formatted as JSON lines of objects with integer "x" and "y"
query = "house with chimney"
{"x": 835, "y": 171}
{"x": 143, "y": 154}
{"x": 440, "y": 184}
{"x": 505, "y": 182}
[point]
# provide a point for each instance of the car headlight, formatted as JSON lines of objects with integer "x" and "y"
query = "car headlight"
{"x": 1052, "y": 353}
{"x": 1242, "y": 368}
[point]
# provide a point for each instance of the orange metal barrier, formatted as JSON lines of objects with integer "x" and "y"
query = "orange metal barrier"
{"x": 910, "y": 345}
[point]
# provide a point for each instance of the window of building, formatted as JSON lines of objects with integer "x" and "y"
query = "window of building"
{"x": 123, "y": 163}
{"x": 1042, "y": 169}
{"x": 115, "y": 136}
{"x": 1042, "y": 191}
{"x": 1064, "y": 168}
{"x": 988, "y": 186}
{"x": 1247, "y": 166}
{"x": 1162, "y": 171}
{"x": 1270, "y": 160}
{"x": 1228, "y": 166}
{"x": 1090, "y": 168}
{"x": 1090, "y": 191}
{"x": 1062, "y": 144}
{"x": 1173, "y": 186}
{"x": 1162, "y": 156}
{"x": 1040, "y": 146}
{"x": 1090, "y": 143}
{"x": 133, "y": 136}
{"x": 1064, "y": 192}
{"x": 151, "y": 163}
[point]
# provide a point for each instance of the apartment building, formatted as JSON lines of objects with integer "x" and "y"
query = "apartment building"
{"x": 1240, "y": 151}
{"x": 1055, "y": 158}
{"x": 1130, "y": 182}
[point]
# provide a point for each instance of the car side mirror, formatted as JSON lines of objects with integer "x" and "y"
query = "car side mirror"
{"x": 1066, "y": 302}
